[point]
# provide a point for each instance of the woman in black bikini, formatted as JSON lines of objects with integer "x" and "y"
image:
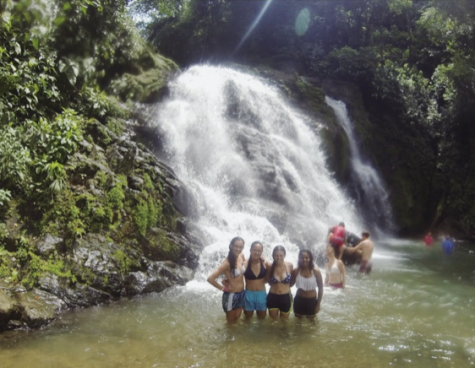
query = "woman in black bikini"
{"x": 255, "y": 276}
{"x": 307, "y": 278}
{"x": 233, "y": 269}
{"x": 279, "y": 299}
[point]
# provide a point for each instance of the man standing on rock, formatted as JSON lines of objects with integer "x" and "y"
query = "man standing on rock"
{"x": 365, "y": 247}
{"x": 337, "y": 238}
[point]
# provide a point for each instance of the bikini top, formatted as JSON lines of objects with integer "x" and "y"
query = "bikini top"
{"x": 334, "y": 268}
{"x": 235, "y": 272}
{"x": 286, "y": 280}
{"x": 249, "y": 275}
{"x": 306, "y": 283}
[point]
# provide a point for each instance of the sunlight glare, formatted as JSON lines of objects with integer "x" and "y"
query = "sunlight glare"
{"x": 253, "y": 25}
{"x": 302, "y": 22}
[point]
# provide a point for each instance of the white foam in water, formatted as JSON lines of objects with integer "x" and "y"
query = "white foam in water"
{"x": 253, "y": 164}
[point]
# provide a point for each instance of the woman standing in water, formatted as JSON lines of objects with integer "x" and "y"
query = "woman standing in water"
{"x": 256, "y": 282}
{"x": 233, "y": 269}
{"x": 279, "y": 299}
{"x": 335, "y": 270}
{"x": 307, "y": 278}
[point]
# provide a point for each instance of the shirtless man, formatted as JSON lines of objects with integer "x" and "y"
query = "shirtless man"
{"x": 365, "y": 247}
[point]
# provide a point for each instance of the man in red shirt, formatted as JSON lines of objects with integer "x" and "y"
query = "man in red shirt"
{"x": 428, "y": 240}
{"x": 336, "y": 238}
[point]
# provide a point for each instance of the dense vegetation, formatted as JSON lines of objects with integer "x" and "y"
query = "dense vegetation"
{"x": 64, "y": 171}
{"x": 412, "y": 60}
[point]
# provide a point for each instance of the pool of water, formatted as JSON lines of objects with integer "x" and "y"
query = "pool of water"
{"x": 416, "y": 309}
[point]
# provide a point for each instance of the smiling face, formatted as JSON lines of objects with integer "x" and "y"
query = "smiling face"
{"x": 279, "y": 256}
{"x": 237, "y": 247}
{"x": 304, "y": 259}
{"x": 256, "y": 251}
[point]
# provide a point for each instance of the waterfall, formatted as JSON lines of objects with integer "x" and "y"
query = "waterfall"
{"x": 253, "y": 164}
{"x": 368, "y": 188}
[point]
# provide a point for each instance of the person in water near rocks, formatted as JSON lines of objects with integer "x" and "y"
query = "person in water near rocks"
{"x": 307, "y": 278}
{"x": 279, "y": 299}
{"x": 335, "y": 270}
{"x": 233, "y": 269}
{"x": 337, "y": 238}
{"x": 428, "y": 240}
{"x": 255, "y": 275}
{"x": 448, "y": 245}
{"x": 365, "y": 247}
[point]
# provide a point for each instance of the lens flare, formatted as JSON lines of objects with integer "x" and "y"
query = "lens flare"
{"x": 302, "y": 22}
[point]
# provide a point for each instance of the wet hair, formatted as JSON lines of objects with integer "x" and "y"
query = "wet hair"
{"x": 256, "y": 243}
{"x": 341, "y": 224}
{"x": 366, "y": 233}
{"x": 311, "y": 265}
{"x": 276, "y": 249}
{"x": 231, "y": 257}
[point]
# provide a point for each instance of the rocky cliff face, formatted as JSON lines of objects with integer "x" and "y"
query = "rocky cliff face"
{"x": 137, "y": 241}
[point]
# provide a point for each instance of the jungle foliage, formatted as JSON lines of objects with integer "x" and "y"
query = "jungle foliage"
{"x": 59, "y": 62}
{"x": 413, "y": 61}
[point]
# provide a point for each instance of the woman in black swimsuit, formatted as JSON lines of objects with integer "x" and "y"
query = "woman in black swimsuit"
{"x": 255, "y": 276}
{"x": 279, "y": 299}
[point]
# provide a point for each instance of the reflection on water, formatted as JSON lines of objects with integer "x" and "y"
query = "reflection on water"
{"x": 415, "y": 310}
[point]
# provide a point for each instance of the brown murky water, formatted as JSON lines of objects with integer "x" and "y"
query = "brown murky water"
{"x": 417, "y": 309}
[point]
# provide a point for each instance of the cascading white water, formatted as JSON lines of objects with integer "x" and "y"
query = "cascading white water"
{"x": 373, "y": 197}
{"x": 253, "y": 164}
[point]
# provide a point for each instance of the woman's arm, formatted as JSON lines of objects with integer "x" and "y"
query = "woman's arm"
{"x": 341, "y": 266}
{"x": 318, "y": 276}
{"x": 268, "y": 267}
{"x": 293, "y": 276}
{"x": 290, "y": 266}
{"x": 216, "y": 273}
{"x": 327, "y": 278}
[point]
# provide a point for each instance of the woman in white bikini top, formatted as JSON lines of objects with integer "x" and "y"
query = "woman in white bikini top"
{"x": 335, "y": 270}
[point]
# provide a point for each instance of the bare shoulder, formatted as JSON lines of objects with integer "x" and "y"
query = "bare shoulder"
{"x": 225, "y": 265}
{"x": 316, "y": 271}
{"x": 289, "y": 265}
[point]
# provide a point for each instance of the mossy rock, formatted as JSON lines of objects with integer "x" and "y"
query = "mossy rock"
{"x": 149, "y": 84}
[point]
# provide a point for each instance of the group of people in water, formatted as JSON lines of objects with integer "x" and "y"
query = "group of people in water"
{"x": 447, "y": 244}
{"x": 244, "y": 283}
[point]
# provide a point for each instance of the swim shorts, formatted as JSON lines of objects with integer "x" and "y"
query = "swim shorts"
{"x": 233, "y": 301}
{"x": 365, "y": 267}
{"x": 255, "y": 300}
{"x": 337, "y": 286}
{"x": 305, "y": 306}
{"x": 282, "y": 302}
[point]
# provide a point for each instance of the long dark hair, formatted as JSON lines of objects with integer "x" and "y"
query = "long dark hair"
{"x": 231, "y": 256}
{"x": 276, "y": 249}
{"x": 310, "y": 255}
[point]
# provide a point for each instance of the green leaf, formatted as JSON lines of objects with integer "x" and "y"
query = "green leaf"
{"x": 35, "y": 43}
{"x": 17, "y": 48}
